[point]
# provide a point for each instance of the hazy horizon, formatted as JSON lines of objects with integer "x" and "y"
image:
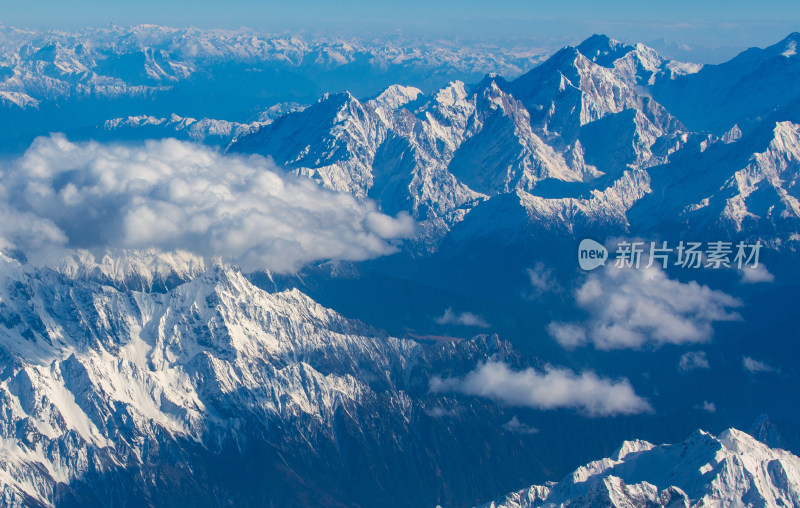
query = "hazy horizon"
{"x": 710, "y": 32}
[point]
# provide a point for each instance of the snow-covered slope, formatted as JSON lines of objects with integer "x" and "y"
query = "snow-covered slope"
{"x": 732, "y": 469}
{"x": 205, "y": 130}
{"x": 209, "y": 131}
{"x": 746, "y": 187}
{"x": 576, "y": 144}
{"x": 742, "y": 91}
{"x": 377, "y": 149}
{"x": 99, "y": 381}
{"x": 579, "y": 137}
{"x": 576, "y": 133}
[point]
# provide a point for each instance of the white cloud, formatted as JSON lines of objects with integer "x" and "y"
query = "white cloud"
{"x": 755, "y": 366}
{"x": 569, "y": 335}
{"x": 552, "y": 388}
{"x": 709, "y": 407}
{"x": 464, "y": 319}
{"x": 752, "y": 275}
{"x": 27, "y": 230}
{"x": 440, "y": 412}
{"x": 169, "y": 195}
{"x": 514, "y": 425}
{"x": 542, "y": 279}
{"x": 693, "y": 360}
{"x": 631, "y": 308}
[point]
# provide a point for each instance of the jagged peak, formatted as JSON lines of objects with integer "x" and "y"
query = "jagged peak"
{"x": 562, "y": 61}
{"x": 123, "y": 266}
{"x": 342, "y": 97}
{"x": 786, "y": 126}
{"x": 451, "y": 94}
{"x": 741, "y": 442}
{"x": 699, "y": 435}
{"x": 490, "y": 80}
{"x": 792, "y": 39}
{"x": 633, "y": 446}
{"x": 598, "y": 41}
{"x": 565, "y": 55}
{"x": 734, "y": 134}
{"x": 603, "y": 50}
{"x": 396, "y": 96}
{"x": 784, "y": 139}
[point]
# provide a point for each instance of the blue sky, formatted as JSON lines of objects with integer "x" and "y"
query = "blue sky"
{"x": 716, "y": 25}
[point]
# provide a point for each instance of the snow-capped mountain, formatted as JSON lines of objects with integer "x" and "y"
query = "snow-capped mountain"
{"x": 747, "y": 187}
{"x": 75, "y": 81}
{"x": 204, "y": 130}
{"x": 732, "y": 469}
{"x": 712, "y": 98}
{"x": 208, "y": 131}
{"x": 578, "y": 138}
{"x": 133, "y": 61}
{"x": 574, "y": 143}
{"x": 349, "y": 145}
{"x": 439, "y": 156}
{"x": 111, "y": 394}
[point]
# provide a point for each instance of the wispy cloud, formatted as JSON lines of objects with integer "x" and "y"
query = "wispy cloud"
{"x": 173, "y": 195}
{"x": 709, "y": 407}
{"x": 440, "y": 412}
{"x": 552, "y": 388}
{"x": 569, "y": 335}
{"x": 753, "y": 275}
{"x": 634, "y": 308}
{"x": 542, "y": 279}
{"x": 464, "y": 319}
{"x": 755, "y": 366}
{"x": 514, "y": 425}
{"x": 693, "y": 360}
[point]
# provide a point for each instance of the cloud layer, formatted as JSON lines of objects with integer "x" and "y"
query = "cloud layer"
{"x": 552, "y": 388}
{"x": 634, "y": 308}
{"x": 169, "y": 195}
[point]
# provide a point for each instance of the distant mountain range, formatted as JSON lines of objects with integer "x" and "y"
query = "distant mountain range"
{"x": 73, "y": 81}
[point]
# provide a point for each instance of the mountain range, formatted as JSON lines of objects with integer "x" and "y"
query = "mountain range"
{"x": 468, "y": 363}
{"x": 577, "y": 141}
